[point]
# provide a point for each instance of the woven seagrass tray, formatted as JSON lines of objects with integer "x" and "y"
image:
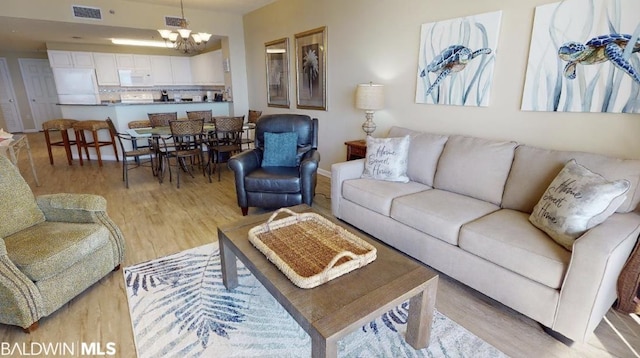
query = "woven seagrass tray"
{"x": 309, "y": 249}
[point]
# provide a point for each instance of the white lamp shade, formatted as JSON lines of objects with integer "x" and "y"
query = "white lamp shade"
{"x": 204, "y": 36}
{"x": 184, "y": 33}
{"x": 164, "y": 33}
{"x": 370, "y": 96}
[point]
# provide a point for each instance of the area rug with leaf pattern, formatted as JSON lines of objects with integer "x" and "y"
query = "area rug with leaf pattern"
{"x": 180, "y": 308}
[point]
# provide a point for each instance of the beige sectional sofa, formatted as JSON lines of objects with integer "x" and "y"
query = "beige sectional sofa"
{"x": 465, "y": 212}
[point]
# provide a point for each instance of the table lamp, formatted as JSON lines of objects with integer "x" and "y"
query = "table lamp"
{"x": 370, "y": 97}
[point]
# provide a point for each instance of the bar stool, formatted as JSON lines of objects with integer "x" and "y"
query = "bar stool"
{"x": 62, "y": 126}
{"x": 93, "y": 126}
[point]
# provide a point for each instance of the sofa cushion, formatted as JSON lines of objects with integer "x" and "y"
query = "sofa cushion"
{"x": 439, "y": 213}
{"x": 576, "y": 200}
{"x": 475, "y": 167}
{"x": 387, "y": 159}
{"x": 424, "y": 152}
{"x": 377, "y": 195}
{"x": 507, "y": 238}
{"x": 18, "y": 208}
{"x": 534, "y": 168}
{"x": 46, "y": 249}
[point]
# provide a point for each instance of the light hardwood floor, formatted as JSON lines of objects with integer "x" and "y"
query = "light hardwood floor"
{"x": 158, "y": 219}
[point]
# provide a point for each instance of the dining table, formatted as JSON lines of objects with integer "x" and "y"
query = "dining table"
{"x": 162, "y": 131}
{"x": 155, "y": 134}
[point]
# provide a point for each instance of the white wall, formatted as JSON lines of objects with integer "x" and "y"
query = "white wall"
{"x": 378, "y": 40}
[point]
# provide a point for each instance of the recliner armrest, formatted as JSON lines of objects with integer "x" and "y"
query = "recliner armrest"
{"x": 245, "y": 162}
{"x": 242, "y": 164}
{"x": 22, "y": 303}
{"x": 82, "y": 208}
{"x": 309, "y": 162}
{"x": 71, "y": 207}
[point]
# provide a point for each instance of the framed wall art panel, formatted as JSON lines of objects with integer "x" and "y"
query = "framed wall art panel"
{"x": 311, "y": 69}
{"x": 277, "y": 62}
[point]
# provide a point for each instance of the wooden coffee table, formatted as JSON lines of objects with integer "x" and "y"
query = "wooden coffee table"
{"x": 335, "y": 309}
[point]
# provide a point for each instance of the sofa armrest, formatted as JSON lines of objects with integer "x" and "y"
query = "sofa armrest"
{"x": 22, "y": 304}
{"x": 339, "y": 173}
{"x": 589, "y": 287}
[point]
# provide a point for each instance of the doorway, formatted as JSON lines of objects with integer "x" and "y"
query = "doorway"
{"x": 8, "y": 105}
{"x": 41, "y": 90}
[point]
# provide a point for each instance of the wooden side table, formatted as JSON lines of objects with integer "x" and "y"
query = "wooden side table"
{"x": 356, "y": 149}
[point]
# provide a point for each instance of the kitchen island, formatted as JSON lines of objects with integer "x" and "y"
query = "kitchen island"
{"x": 123, "y": 113}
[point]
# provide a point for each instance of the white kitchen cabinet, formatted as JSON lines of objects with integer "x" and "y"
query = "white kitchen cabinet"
{"x": 106, "y": 69}
{"x": 60, "y": 59}
{"x": 70, "y": 59}
{"x": 133, "y": 62}
{"x": 161, "y": 70}
{"x": 181, "y": 70}
{"x": 82, "y": 59}
{"x": 207, "y": 68}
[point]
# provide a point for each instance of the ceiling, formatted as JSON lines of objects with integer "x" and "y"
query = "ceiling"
{"x": 25, "y": 35}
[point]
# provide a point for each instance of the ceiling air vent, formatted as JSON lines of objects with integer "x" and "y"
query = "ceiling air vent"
{"x": 172, "y": 21}
{"x": 84, "y": 12}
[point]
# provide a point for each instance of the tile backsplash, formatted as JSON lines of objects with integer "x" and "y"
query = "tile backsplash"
{"x": 112, "y": 94}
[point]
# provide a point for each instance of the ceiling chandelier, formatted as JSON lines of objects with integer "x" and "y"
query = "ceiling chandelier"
{"x": 182, "y": 39}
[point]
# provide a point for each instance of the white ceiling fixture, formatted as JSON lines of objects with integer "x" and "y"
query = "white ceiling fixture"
{"x": 145, "y": 43}
{"x": 182, "y": 39}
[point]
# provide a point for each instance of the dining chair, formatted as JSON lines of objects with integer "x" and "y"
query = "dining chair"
{"x": 252, "y": 119}
{"x": 224, "y": 141}
{"x": 187, "y": 138}
{"x": 140, "y": 156}
{"x": 206, "y": 115}
{"x": 162, "y": 119}
{"x": 145, "y": 123}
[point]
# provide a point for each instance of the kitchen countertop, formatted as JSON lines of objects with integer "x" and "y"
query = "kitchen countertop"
{"x": 118, "y": 103}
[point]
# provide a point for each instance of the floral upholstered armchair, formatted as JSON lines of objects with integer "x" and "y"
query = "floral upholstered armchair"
{"x": 52, "y": 248}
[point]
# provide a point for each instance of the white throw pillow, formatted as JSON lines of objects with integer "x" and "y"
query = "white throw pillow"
{"x": 387, "y": 159}
{"x": 575, "y": 201}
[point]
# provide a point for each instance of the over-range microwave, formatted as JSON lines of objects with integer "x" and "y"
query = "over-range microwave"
{"x": 135, "y": 78}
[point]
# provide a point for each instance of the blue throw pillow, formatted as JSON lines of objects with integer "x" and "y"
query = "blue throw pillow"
{"x": 280, "y": 149}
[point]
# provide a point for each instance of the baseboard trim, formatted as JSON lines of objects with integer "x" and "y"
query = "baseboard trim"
{"x": 325, "y": 173}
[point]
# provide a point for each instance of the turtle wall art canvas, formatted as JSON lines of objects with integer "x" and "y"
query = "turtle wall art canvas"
{"x": 456, "y": 59}
{"x": 584, "y": 57}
